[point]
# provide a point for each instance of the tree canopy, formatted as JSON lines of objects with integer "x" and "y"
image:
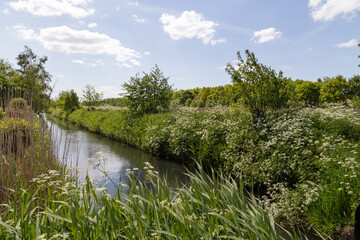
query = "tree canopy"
{"x": 260, "y": 87}
{"x": 150, "y": 93}
{"x": 91, "y": 96}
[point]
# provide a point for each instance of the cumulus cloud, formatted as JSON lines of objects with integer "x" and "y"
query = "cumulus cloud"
{"x": 266, "y": 35}
{"x": 74, "y": 8}
{"x": 97, "y": 63}
{"x": 92, "y": 25}
{"x": 139, "y": 19}
{"x": 67, "y": 40}
{"x": 110, "y": 91}
{"x": 190, "y": 25}
{"x": 78, "y": 61}
{"x": 351, "y": 43}
{"x": 327, "y": 10}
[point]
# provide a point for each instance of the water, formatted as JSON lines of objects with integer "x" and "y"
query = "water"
{"x": 95, "y": 155}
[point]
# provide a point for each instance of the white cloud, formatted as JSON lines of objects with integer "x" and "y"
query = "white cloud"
{"x": 126, "y": 65}
{"x": 266, "y": 35}
{"x": 135, "y": 62}
{"x": 190, "y": 25}
{"x": 147, "y": 53}
{"x": 78, "y": 61}
{"x": 74, "y": 8}
{"x": 67, "y": 40}
{"x": 97, "y": 63}
{"x": 327, "y": 10}
{"x": 92, "y": 25}
{"x": 136, "y": 3}
{"x": 139, "y": 19}
{"x": 309, "y": 49}
{"x": 5, "y": 11}
{"x": 351, "y": 43}
{"x": 24, "y": 33}
{"x": 110, "y": 91}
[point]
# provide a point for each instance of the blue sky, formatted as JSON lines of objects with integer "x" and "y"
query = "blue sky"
{"x": 105, "y": 42}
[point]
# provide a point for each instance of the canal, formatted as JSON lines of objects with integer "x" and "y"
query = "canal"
{"x": 107, "y": 160}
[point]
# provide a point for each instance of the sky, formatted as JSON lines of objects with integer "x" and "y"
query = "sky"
{"x": 106, "y": 42}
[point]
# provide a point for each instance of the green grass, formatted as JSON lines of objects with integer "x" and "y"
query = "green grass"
{"x": 208, "y": 207}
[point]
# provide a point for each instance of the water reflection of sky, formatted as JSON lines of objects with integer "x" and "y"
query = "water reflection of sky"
{"x": 78, "y": 148}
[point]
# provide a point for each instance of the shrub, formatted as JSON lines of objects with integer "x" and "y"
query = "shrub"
{"x": 334, "y": 90}
{"x": 260, "y": 87}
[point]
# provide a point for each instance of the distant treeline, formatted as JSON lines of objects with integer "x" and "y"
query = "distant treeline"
{"x": 336, "y": 89}
{"x": 331, "y": 90}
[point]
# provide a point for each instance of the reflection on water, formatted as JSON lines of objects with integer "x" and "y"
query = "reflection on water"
{"x": 78, "y": 147}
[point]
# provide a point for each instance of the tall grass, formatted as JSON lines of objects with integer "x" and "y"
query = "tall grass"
{"x": 208, "y": 207}
{"x": 26, "y": 151}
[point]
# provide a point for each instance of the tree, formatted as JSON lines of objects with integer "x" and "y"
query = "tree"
{"x": 34, "y": 79}
{"x": 68, "y": 101}
{"x": 354, "y": 86}
{"x": 308, "y": 92}
{"x": 7, "y": 76}
{"x": 334, "y": 89}
{"x": 260, "y": 88}
{"x": 150, "y": 93}
{"x": 91, "y": 96}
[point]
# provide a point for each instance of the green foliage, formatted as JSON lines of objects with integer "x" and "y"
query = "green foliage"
{"x": 354, "y": 86}
{"x": 8, "y": 76}
{"x": 356, "y": 102}
{"x": 291, "y": 159}
{"x": 334, "y": 89}
{"x": 34, "y": 81}
{"x": 308, "y": 93}
{"x": 68, "y": 101}
{"x": 91, "y": 96}
{"x": 207, "y": 96}
{"x": 147, "y": 209}
{"x": 260, "y": 88}
{"x": 150, "y": 93}
{"x": 18, "y": 103}
{"x": 2, "y": 114}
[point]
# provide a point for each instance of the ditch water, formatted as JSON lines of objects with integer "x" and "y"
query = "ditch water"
{"x": 93, "y": 155}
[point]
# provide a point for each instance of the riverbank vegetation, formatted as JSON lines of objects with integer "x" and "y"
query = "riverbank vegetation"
{"x": 303, "y": 162}
{"x": 294, "y": 143}
{"x": 39, "y": 200}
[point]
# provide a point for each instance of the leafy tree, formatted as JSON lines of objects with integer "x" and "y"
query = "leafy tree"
{"x": 185, "y": 95}
{"x": 260, "y": 88}
{"x": 334, "y": 89}
{"x": 34, "y": 79}
{"x": 7, "y": 76}
{"x": 68, "y": 101}
{"x": 308, "y": 92}
{"x": 91, "y": 96}
{"x": 150, "y": 93}
{"x": 354, "y": 85}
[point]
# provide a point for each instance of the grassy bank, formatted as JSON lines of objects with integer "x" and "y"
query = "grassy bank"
{"x": 145, "y": 210}
{"x": 39, "y": 201}
{"x": 305, "y": 162}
